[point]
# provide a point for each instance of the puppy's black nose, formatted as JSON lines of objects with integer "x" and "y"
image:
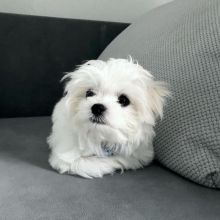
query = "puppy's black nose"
{"x": 98, "y": 109}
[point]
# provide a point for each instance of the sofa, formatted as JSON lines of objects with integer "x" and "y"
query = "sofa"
{"x": 34, "y": 52}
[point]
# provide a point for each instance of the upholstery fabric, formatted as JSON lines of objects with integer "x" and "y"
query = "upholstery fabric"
{"x": 180, "y": 44}
{"x": 30, "y": 189}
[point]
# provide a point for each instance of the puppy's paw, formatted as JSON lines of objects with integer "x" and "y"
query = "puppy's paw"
{"x": 95, "y": 167}
{"x": 58, "y": 164}
{"x": 87, "y": 167}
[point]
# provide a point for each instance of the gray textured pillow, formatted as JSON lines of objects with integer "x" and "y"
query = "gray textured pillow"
{"x": 180, "y": 43}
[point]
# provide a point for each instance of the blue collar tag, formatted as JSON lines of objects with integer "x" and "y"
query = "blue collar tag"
{"x": 107, "y": 151}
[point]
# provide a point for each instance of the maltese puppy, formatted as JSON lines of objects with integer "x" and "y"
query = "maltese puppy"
{"x": 106, "y": 119}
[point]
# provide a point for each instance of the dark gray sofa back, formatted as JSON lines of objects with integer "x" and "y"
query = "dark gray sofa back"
{"x": 34, "y": 53}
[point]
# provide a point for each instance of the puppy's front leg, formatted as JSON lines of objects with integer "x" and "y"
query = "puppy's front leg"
{"x": 95, "y": 166}
{"x": 87, "y": 167}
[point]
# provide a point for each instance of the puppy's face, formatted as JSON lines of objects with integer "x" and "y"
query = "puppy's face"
{"x": 114, "y": 99}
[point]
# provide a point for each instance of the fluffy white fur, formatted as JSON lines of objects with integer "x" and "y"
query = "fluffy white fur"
{"x": 75, "y": 141}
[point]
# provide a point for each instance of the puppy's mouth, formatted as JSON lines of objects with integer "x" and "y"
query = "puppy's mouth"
{"x": 97, "y": 120}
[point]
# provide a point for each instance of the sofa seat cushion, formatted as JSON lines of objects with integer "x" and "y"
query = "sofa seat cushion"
{"x": 30, "y": 189}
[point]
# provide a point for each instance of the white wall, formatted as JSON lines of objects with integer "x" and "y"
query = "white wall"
{"x": 105, "y": 10}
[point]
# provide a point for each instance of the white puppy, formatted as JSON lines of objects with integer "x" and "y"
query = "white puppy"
{"x": 105, "y": 121}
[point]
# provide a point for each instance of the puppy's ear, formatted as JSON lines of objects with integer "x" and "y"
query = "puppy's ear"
{"x": 158, "y": 92}
{"x": 72, "y": 91}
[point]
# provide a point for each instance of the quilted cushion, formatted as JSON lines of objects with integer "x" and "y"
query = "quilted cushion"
{"x": 180, "y": 43}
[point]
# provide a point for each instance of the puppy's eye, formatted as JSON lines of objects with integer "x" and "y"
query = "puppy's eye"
{"x": 123, "y": 100}
{"x": 89, "y": 93}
